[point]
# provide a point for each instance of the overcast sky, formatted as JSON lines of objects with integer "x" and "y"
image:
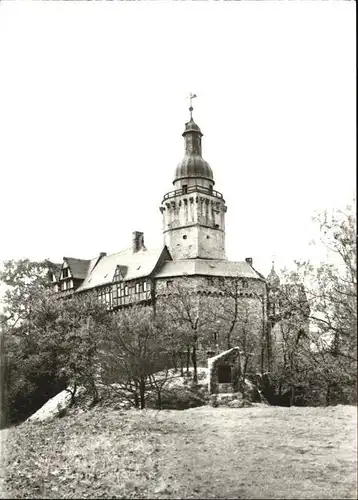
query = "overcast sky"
{"x": 93, "y": 105}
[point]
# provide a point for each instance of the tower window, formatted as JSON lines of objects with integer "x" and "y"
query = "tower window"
{"x": 216, "y": 226}
{"x": 184, "y": 237}
{"x": 185, "y": 188}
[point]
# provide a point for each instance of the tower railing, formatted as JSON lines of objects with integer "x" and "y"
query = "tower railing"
{"x": 193, "y": 189}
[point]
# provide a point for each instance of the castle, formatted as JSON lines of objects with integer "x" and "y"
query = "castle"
{"x": 193, "y": 252}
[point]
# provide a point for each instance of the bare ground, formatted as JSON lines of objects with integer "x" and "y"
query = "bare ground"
{"x": 257, "y": 452}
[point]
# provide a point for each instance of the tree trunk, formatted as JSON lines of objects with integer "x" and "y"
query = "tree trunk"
{"x": 194, "y": 360}
{"x": 174, "y": 360}
{"x": 142, "y": 393}
{"x": 181, "y": 365}
{"x": 136, "y": 400}
{"x": 262, "y": 357}
{"x": 95, "y": 396}
{"x": 243, "y": 386}
{"x": 136, "y": 395}
{"x": 328, "y": 394}
{"x": 187, "y": 360}
{"x": 73, "y": 394}
{"x": 293, "y": 395}
{"x": 159, "y": 398}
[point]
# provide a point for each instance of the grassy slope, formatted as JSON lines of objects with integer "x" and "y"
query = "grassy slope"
{"x": 257, "y": 452}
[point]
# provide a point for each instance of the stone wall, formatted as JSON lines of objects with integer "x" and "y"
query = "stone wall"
{"x": 230, "y": 358}
{"x": 194, "y": 226}
{"x": 209, "y": 299}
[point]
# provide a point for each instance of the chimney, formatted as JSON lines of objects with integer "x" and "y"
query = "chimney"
{"x": 103, "y": 254}
{"x": 249, "y": 260}
{"x": 137, "y": 241}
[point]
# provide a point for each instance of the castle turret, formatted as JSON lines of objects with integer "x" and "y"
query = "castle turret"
{"x": 273, "y": 281}
{"x": 194, "y": 213}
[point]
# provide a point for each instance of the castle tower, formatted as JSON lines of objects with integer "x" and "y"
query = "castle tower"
{"x": 194, "y": 213}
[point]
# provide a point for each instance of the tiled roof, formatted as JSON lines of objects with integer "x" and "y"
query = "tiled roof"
{"x": 138, "y": 264}
{"x": 207, "y": 268}
{"x": 56, "y": 269}
{"x": 79, "y": 267}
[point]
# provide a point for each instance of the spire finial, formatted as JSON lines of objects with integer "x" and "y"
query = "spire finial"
{"x": 191, "y": 97}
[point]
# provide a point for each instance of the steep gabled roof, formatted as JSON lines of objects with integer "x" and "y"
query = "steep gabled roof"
{"x": 204, "y": 267}
{"x": 78, "y": 267}
{"x": 139, "y": 264}
{"x": 55, "y": 269}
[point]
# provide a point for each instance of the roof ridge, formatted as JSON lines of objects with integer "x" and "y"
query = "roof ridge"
{"x": 76, "y": 258}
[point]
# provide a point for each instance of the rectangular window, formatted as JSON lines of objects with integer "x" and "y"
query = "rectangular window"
{"x": 169, "y": 283}
{"x": 185, "y": 189}
{"x": 137, "y": 288}
{"x": 224, "y": 374}
{"x": 65, "y": 272}
{"x": 126, "y": 291}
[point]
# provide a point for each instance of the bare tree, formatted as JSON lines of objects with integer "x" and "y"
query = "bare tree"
{"x": 135, "y": 348}
{"x": 324, "y": 297}
{"x": 190, "y": 318}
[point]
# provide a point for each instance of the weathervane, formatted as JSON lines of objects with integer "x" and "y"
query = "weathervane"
{"x": 191, "y": 97}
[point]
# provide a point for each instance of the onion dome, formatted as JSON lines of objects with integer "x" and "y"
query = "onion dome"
{"x": 193, "y": 165}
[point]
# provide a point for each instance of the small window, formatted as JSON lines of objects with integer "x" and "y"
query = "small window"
{"x": 216, "y": 226}
{"x": 169, "y": 283}
{"x": 184, "y": 237}
{"x": 245, "y": 284}
{"x": 185, "y": 189}
{"x": 126, "y": 291}
{"x": 65, "y": 272}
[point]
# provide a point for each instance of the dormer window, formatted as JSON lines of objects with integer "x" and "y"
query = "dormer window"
{"x": 118, "y": 275}
{"x": 65, "y": 272}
